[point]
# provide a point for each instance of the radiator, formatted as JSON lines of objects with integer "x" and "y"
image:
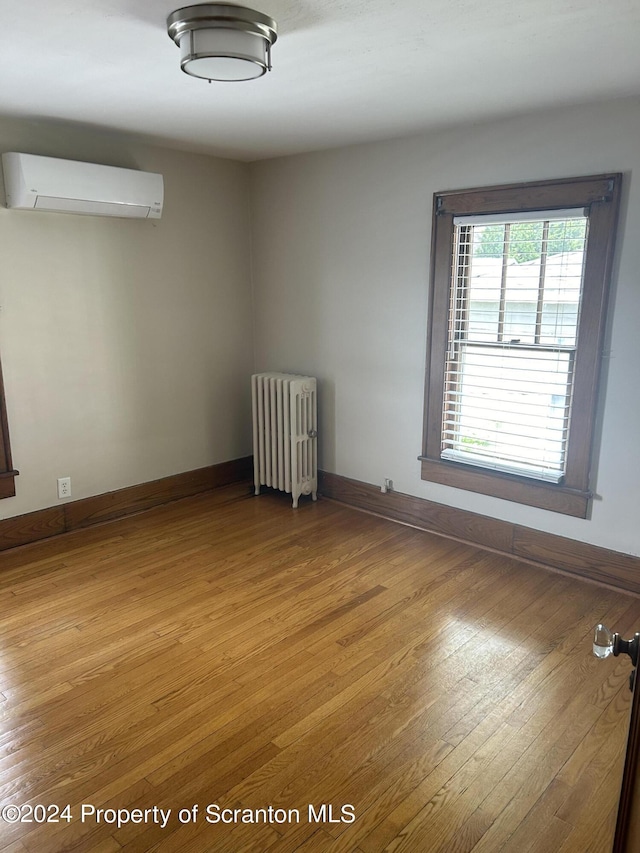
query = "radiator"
{"x": 285, "y": 430}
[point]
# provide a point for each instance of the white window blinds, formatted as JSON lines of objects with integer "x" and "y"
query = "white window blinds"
{"x": 512, "y": 337}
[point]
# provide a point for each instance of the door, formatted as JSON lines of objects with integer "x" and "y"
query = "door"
{"x": 627, "y": 834}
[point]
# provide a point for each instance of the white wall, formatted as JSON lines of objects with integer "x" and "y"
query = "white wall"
{"x": 341, "y": 243}
{"x": 126, "y": 345}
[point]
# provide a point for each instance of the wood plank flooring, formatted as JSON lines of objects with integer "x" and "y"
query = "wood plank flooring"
{"x": 228, "y": 652}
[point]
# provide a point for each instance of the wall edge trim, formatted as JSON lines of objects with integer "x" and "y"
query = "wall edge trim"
{"x": 87, "y": 512}
{"x": 570, "y": 556}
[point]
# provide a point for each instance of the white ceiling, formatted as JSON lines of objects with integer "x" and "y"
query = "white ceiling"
{"x": 344, "y": 71}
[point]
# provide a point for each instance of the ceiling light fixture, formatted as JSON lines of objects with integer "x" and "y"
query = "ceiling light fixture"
{"x": 219, "y": 41}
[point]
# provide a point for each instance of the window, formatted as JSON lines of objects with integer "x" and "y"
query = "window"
{"x": 519, "y": 282}
{"x": 7, "y": 474}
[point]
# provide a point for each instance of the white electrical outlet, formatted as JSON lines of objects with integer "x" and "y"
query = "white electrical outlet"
{"x": 64, "y": 487}
{"x": 387, "y": 486}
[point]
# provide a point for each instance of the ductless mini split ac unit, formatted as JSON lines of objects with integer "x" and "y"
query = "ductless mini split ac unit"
{"x": 69, "y": 186}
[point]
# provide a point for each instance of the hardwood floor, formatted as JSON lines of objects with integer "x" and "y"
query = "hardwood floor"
{"x": 227, "y": 650}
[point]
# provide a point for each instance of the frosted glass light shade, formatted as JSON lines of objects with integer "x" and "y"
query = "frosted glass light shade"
{"x": 221, "y": 41}
{"x": 223, "y": 54}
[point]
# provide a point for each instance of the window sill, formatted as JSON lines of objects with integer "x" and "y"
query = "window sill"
{"x": 510, "y": 487}
{"x": 8, "y": 484}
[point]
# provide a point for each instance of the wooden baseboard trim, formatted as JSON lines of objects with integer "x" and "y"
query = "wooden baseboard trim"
{"x": 589, "y": 562}
{"x": 53, "y": 521}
